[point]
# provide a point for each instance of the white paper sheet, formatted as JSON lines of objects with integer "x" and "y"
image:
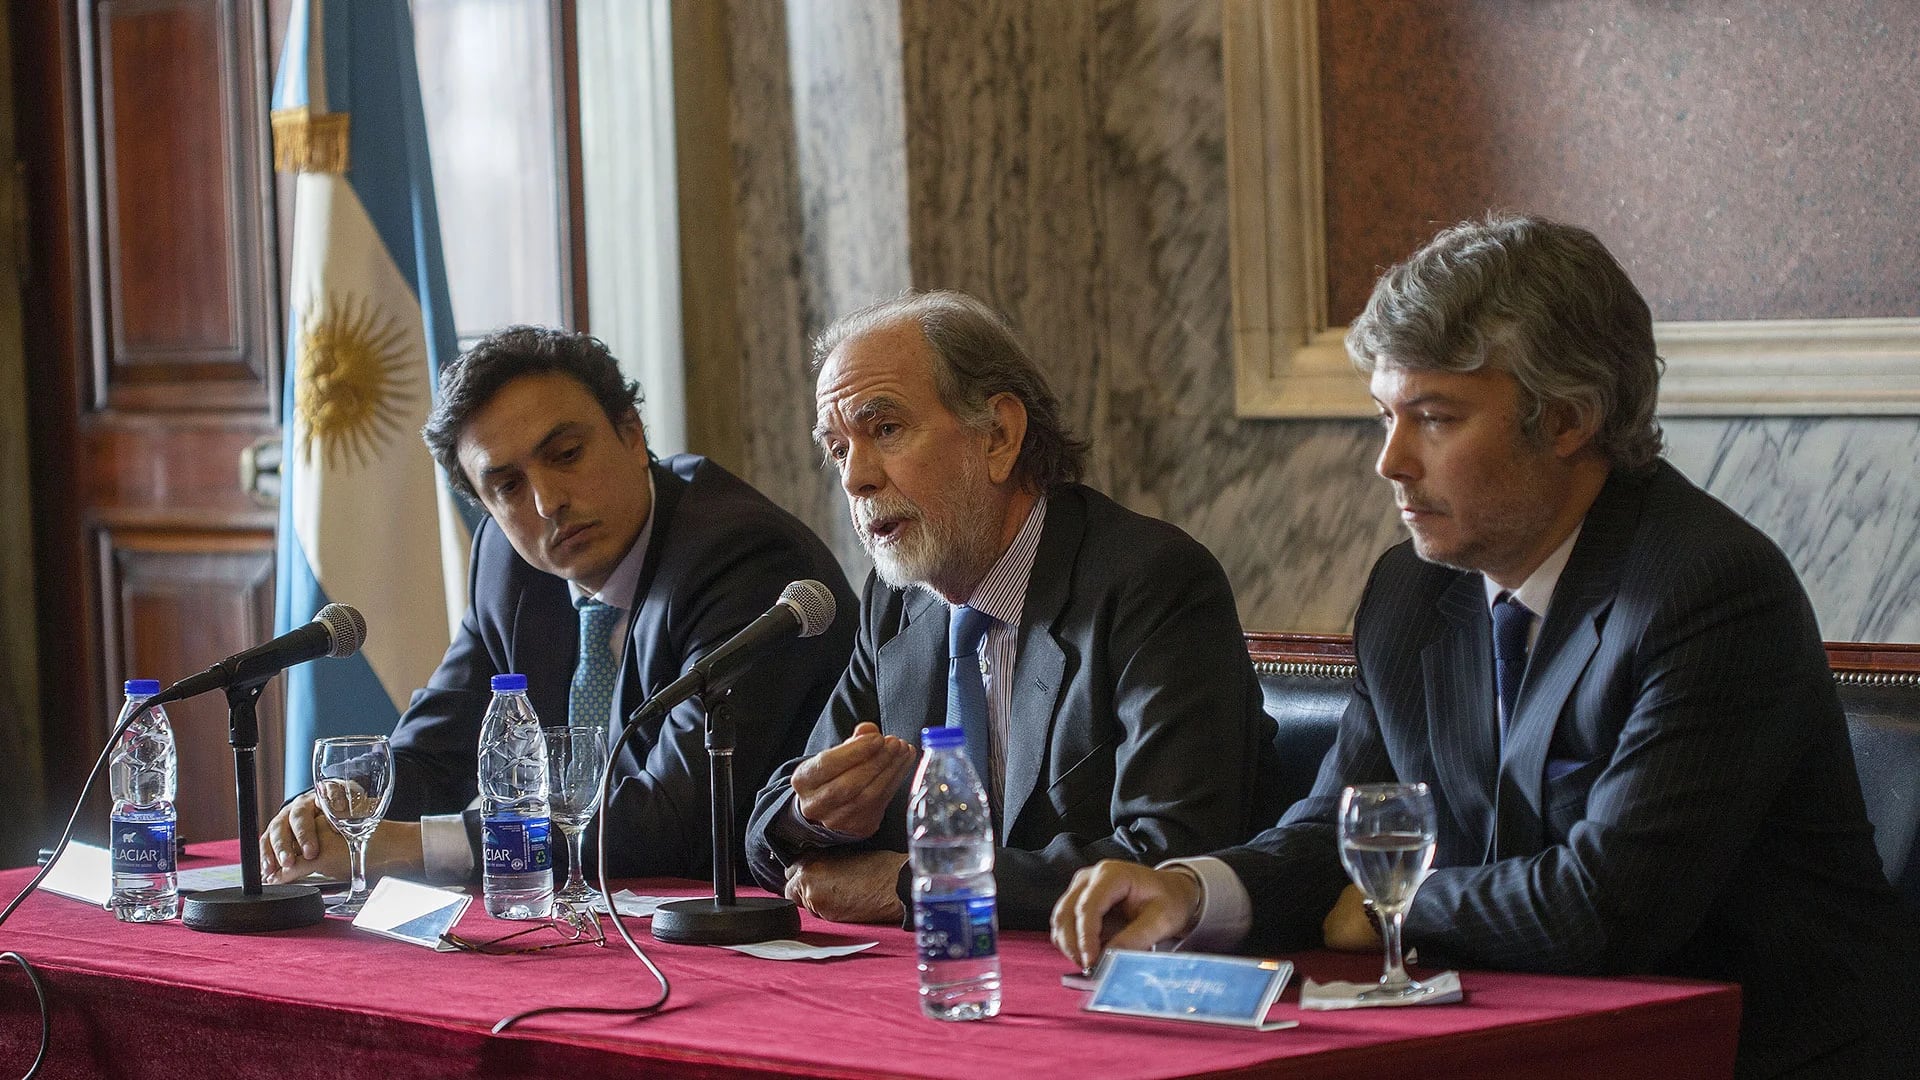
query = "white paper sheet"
{"x": 633, "y": 905}
{"x": 1343, "y": 995}
{"x": 798, "y": 950}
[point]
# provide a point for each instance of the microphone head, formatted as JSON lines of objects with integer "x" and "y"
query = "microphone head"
{"x": 347, "y": 629}
{"x": 810, "y": 602}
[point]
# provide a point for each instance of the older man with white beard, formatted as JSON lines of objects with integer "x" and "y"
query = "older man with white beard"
{"x": 1122, "y": 718}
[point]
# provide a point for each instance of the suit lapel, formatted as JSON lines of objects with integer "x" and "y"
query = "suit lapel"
{"x": 546, "y": 638}
{"x": 668, "y": 489}
{"x": 1041, "y": 661}
{"x": 1462, "y": 718}
{"x": 911, "y": 668}
{"x": 1568, "y": 638}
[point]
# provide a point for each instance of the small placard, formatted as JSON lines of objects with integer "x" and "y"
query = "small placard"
{"x": 411, "y": 912}
{"x": 1233, "y": 990}
{"x": 82, "y": 872}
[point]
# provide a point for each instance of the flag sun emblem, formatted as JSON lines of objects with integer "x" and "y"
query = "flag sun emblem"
{"x": 351, "y": 390}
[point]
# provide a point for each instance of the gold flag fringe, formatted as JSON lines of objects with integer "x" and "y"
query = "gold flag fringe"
{"x": 306, "y": 141}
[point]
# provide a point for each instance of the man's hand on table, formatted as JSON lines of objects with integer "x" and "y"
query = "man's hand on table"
{"x": 847, "y": 787}
{"x": 300, "y": 841}
{"x": 1348, "y": 927}
{"x": 849, "y": 886}
{"x": 1123, "y": 905}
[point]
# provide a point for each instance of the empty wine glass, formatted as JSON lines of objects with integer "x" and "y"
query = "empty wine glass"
{"x": 576, "y": 756}
{"x": 352, "y": 783}
{"x": 1386, "y": 843}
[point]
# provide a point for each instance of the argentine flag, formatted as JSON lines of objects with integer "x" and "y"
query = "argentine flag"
{"x": 365, "y": 518}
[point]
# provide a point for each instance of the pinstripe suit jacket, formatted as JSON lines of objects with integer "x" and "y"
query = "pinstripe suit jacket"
{"x": 1677, "y": 794}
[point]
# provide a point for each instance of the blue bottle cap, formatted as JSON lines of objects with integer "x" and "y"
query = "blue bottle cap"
{"x": 148, "y": 687}
{"x": 943, "y": 738}
{"x": 509, "y": 682}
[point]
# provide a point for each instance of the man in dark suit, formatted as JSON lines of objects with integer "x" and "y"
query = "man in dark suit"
{"x": 1121, "y": 716}
{"x": 1613, "y": 685}
{"x": 601, "y": 574}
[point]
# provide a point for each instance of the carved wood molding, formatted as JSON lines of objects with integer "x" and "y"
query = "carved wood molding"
{"x": 1870, "y": 662}
{"x": 1289, "y": 363}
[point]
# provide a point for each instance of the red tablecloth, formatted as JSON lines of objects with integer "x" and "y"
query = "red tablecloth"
{"x": 162, "y": 1000}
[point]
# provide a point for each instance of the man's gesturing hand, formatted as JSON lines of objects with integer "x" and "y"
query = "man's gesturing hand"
{"x": 1122, "y": 905}
{"x": 846, "y": 788}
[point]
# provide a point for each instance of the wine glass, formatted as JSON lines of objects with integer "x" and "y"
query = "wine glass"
{"x": 1386, "y": 843}
{"x": 352, "y": 783}
{"x": 576, "y": 756}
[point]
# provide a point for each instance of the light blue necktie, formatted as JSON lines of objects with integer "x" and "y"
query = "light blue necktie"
{"x": 966, "y": 695}
{"x": 590, "y": 704}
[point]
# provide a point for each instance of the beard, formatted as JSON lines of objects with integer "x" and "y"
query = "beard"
{"x": 954, "y": 541}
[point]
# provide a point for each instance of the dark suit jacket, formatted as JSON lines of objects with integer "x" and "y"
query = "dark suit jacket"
{"x": 719, "y": 556}
{"x": 1678, "y": 795}
{"x": 1137, "y": 729}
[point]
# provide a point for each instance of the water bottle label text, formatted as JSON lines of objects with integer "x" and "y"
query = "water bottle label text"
{"x": 516, "y": 845}
{"x": 955, "y": 927}
{"x": 142, "y": 847}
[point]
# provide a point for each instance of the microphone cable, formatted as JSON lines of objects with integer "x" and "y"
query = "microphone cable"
{"x": 638, "y": 1012}
{"x": 66, "y": 835}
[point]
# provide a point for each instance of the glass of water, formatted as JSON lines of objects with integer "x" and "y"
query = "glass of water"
{"x": 1386, "y": 843}
{"x": 576, "y": 756}
{"x": 352, "y": 783}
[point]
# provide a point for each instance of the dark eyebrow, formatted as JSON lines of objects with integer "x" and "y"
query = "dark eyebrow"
{"x": 1430, "y": 398}
{"x": 560, "y": 431}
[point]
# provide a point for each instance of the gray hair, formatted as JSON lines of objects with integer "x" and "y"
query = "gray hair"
{"x": 975, "y": 357}
{"x": 1542, "y": 301}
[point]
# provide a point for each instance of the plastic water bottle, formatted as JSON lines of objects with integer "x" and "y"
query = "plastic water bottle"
{"x": 143, "y": 773}
{"x": 515, "y": 825}
{"x": 955, "y": 919}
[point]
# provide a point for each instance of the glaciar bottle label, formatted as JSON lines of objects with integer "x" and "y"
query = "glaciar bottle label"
{"x": 142, "y": 847}
{"x": 516, "y": 845}
{"x": 954, "y": 927}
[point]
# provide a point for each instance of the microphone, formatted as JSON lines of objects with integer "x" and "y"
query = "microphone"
{"x": 805, "y": 609}
{"x": 337, "y": 631}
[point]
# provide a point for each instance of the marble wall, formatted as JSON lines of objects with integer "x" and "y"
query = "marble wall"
{"x": 1064, "y": 161}
{"x": 820, "y": 201}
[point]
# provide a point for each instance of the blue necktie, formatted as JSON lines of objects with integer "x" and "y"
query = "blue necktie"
{"x": 966, "y": 694}
{"x": 590, "y": 704}
{"x": 1511, "y": 620}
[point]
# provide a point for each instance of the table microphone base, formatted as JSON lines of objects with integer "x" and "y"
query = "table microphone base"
{"x": 706, "y": 921}
{"x": 232, "y": 911}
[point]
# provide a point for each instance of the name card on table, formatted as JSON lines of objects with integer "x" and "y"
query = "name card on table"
{"x": 1232, "y": 990}
{"x": 411, "y": 912}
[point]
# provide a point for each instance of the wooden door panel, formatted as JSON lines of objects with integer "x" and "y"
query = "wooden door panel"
{"x": 153, "y": 470}
{"x": 154, "y": 361}
{"x": 175, "y": 602}
{"x": 173, "y": 123}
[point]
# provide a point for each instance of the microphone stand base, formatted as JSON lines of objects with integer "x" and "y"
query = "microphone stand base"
{"x": 707, "y": 921}
{"x": 233, "y": 911}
